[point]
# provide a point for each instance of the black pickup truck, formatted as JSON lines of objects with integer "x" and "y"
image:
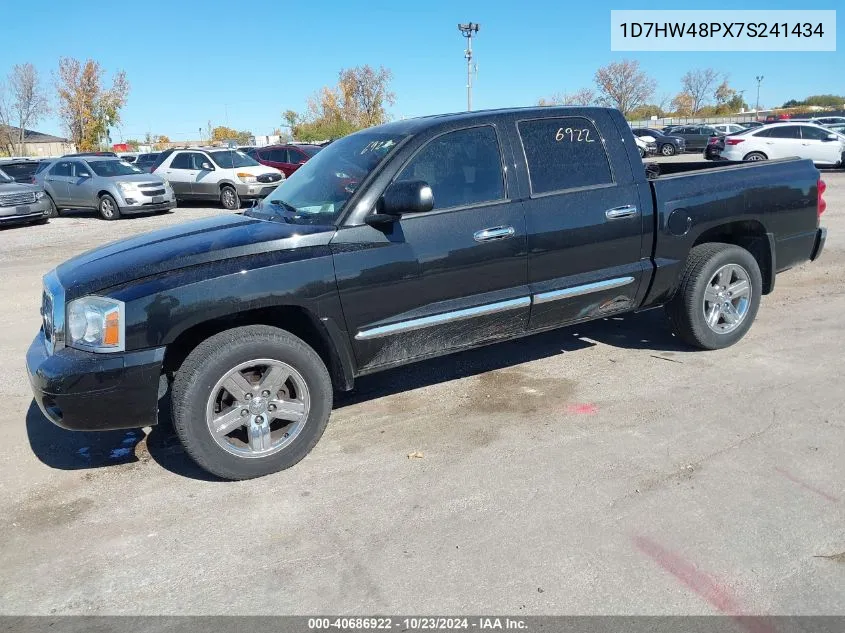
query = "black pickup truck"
{"x": 398, "y": 243}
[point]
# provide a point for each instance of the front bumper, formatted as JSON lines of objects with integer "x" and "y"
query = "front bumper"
{"x": 84, "y": 391}
{"x": 149, "y": 207}
{"x": 25, "y": 213}
{"x": 247, "y": 191}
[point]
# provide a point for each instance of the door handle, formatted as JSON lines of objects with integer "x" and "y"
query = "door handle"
{"x": 494, "y": 233}
{"x": 625, "y": 211}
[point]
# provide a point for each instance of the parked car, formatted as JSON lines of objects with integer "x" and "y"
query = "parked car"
{"x": 828, "y": 120}
{"x": 129, "y": 158}
{"x": 804, "y": 140}
{"x": 145, "y": 161}
{"x": 839, "y": 128}
{"x": 227, "y": 175}
{"x": 21, "y": 202}
{"x": 20, "y": 169}
{"x": 752, "y": 124}
{"x": 258, "y": 318}
{"x": 727, "y": 128}
{"x": 666, "y": 144}
{"x": 287, "y": 158}
{"x": 109, "y": 185}
{"x": 80, "y": 154}
{"x": 772, "y": 118}
{"x": 695, "y": 136}
{"x": 645, "y": 148}
{"x": 715, "y": 145}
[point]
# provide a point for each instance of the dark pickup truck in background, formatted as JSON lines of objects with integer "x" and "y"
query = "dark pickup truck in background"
{"x": 398, "y": 243}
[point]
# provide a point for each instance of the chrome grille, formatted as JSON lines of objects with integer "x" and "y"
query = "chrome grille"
{"x": 11, "y": 199}
{"x": 154, "y": 192}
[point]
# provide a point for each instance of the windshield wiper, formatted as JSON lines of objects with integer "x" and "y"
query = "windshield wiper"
{"x": 287, "y": 207}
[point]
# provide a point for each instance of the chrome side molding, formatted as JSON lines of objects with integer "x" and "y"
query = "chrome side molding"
{"x": 577, "y": 291}
{"x": 439, "y": 319}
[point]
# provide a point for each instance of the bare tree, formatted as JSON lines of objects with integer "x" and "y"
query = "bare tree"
{"x": 23, "y": 102}
{"x": 582, "y": 97}
{"x": 623, "y": 85}
{"x": 698, "y": 84}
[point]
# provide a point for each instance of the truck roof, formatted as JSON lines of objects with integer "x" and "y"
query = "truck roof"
{"x": 411, "y": 126}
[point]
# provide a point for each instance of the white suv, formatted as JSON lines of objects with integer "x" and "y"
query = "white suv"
{"x": 227, "y": 175}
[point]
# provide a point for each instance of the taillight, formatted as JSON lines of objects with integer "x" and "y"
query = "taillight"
{"x": 713, "y": 140}
{"x": 822, "y": 205}
{"x": 733, "y": 141}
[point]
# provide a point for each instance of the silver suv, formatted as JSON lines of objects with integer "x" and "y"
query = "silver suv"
{"x": 22, "y": 203}
{"x": 227, "y": 175}
{"x": 107, "y": 184}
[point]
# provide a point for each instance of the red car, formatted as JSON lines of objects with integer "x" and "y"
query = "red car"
{"x": 287, "y": 158}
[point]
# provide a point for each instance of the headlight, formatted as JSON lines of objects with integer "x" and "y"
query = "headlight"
{"x": 128, "y": 187}
{"x": 39, "y": 195}
{"x": 96, "y": 324}
{"x": 244, "y": 177}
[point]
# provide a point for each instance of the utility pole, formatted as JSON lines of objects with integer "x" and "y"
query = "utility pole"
{"x": 467, "y": 31}
{"x": 759, "y": 81}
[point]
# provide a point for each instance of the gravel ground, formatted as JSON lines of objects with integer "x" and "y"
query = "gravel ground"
{"x": 599, "y": 469}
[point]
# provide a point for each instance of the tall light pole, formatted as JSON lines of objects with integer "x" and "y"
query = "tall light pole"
{"x": 467, "y": 31}
{"x": 759, "y": 79}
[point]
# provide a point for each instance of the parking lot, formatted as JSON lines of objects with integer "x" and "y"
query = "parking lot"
{"x": 599, "y": 469}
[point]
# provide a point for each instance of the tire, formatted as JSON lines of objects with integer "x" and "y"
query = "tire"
{"x": 198, "y": 389}
{"x": 229, "y": 198}
{"x": 690, "y": 310}
{"x": 755, "y": 156}
{"x": 108, "y": 208}
{"x": 54, "y": 210}
{"x": 667, "y": 149}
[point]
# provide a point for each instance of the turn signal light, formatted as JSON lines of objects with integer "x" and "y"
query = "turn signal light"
{"x": 822, "y": 205}
{"x": 111, "y": 334}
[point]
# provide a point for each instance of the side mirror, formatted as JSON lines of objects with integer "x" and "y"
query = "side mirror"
{"x": 84, "y": 174}
{"x": 831, "y": 137}
{"x": 408, "y": 196}
{"x": 206, "y": 167}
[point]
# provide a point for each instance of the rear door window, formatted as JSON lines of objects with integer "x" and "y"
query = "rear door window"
{"x": 62, "y": 168}
{"x": 564, "y": 153}
{"x": 182, "y": 161}
{"x": 782, "y": 131}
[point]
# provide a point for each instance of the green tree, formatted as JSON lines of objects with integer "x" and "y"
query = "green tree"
{"x": 86, "y": 108}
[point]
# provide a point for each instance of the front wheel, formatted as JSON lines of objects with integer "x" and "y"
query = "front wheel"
{"x": 718, "y": 296}
{"x": 667, "y": 149}
{"x": 229, "y": 198}
{"x": 108, "y": 208}
{"x": 251, "y": 401}
{"x": 755, "y": 156}
{"x": 642, "y": 152}
{"x": 53, "y": 211}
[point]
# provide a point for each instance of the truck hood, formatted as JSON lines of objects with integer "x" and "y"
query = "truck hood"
{"x": 181, "y": 246}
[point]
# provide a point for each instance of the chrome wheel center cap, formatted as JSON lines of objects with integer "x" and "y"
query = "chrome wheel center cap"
{"x": 257, "y": 406}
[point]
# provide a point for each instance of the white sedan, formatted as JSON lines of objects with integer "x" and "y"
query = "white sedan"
{"x": 783, "y": 140}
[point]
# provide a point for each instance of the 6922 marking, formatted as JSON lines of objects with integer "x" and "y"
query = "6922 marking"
{"x": 574, "y": 135}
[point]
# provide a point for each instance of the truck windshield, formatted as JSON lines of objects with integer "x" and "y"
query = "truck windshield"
{"x": 232, "y": 158}
{"x": 318, "y": 191}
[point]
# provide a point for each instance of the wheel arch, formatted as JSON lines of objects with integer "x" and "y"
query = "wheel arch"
{"x": 753, "y": 237}
{"x": 323, "y": 335}
{"x": 756, "y": 151}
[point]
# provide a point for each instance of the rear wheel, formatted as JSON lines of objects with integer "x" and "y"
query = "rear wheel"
{"x": 108, "y": 208}
{"x": 667, "y": 149}
{"x": 755, "y": 156}
{"x": 718, "y": 296}
{"x": 229, "y": 198}
{"x": 251, "y": 401}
